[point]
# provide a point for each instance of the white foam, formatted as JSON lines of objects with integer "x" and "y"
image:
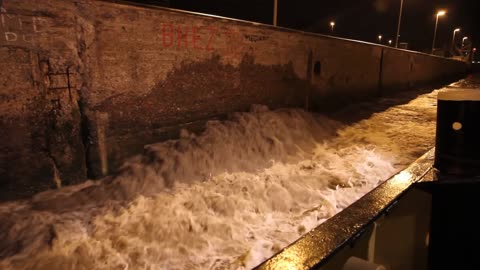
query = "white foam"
{"x": 227, "y": 199}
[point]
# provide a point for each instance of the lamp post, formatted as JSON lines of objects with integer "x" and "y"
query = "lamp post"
{"x": 332, "y": 25}
{"x": 439, "y": 14}
{"x": 453, "y": 38}
{"x": 379, "y": 38}
{"x": 463, "y": 41}
{"x": 390, "y": 42}
{"x": 275, "y": 11}
{"x": 399, "y": 22}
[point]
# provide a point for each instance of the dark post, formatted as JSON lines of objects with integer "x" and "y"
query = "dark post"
{"x": 457, "y": 151}
{"x": 454, "y": 228}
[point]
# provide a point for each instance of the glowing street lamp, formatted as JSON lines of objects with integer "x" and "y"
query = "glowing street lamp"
{"x": 390, "y": 42}
{"x": 332, "y": 25}
{"x": 453, "y": 38}
{"x": 439, "y": 14}
{"x": 379, "y": 38}
{"x": 463, "y": 41}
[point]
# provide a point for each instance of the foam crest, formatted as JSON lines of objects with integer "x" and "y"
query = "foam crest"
{"x": 226, "y": 199}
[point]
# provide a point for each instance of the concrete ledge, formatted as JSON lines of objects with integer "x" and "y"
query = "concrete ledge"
{"x": 319, "y": 245}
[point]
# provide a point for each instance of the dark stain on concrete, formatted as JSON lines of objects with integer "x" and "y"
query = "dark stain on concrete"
{"x": 192, "y": 94}
{"x": 41, "y": 149}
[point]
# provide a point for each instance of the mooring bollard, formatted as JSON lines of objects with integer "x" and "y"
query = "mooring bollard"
{"x": 457, "y": 145}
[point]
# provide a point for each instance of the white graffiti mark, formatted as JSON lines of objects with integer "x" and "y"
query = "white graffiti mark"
{"x": 18, "y": 28}
{"x": 6, "y": 19}
{"x": 10, "y": 36}
{"x": 27, "y": 38}
{"x": 36, "y": 21}
{"x": 2, "y": 11}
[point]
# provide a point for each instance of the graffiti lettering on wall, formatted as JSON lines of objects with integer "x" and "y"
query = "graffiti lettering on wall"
{"x": 18, "y": 28}
{"x": 204, "y": 38}
{"x": 256, "y": 38}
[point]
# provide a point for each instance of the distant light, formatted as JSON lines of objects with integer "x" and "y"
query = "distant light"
{"x": 457, "y": 30}
{"x": 332, "y": 25}
{"x": 474, "y": 49}
{"x": 390, "y": 42}
{"x": 441, "y": 13}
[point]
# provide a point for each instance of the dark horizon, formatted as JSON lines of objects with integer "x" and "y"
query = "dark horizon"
{"x": 357, "y": 20}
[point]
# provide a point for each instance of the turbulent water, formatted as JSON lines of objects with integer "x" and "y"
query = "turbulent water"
{"x": 228, "y": 198}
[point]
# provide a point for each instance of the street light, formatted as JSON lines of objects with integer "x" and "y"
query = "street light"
{"x": 379, "y": 38}
{"x": 463, "y": 41}
{"x": 332, "y": 25}
{"x": 399, "y": 22}
{"x": 390, "y": 42}
{"x": 439, "y": 14}
{"x": 453, "y": 38}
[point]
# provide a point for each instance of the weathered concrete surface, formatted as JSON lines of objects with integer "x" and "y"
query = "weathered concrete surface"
{"x": 182, "y": 68}
{"x": 136, "y": 75}
{"x": 348, "y": 71}
{"x": 41, "y": 146}
{"x": 404, "y": 69}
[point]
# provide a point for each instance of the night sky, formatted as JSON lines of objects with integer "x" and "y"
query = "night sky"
{"x": 356, "y": 19}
